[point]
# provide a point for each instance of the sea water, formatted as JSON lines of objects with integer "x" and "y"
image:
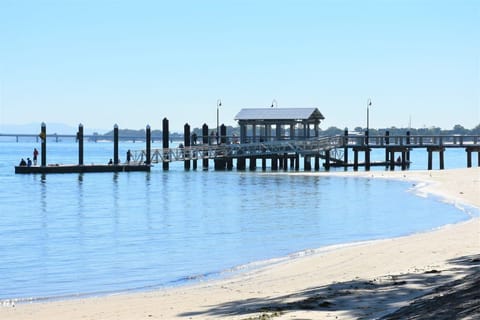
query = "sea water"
{"x": 65, "y": 235}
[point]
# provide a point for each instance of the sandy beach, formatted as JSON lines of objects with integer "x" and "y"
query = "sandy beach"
{"x": 363, "y": 280}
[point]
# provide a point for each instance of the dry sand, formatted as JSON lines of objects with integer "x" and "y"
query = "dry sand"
{"x": 364, "y": 280}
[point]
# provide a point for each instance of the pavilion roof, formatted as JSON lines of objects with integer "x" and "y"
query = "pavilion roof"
{"x": 281, "y": 114}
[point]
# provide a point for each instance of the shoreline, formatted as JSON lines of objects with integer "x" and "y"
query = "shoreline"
{"x": 318, "y": 285}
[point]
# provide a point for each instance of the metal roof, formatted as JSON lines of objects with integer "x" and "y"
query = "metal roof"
{"x": 279, "y": 114}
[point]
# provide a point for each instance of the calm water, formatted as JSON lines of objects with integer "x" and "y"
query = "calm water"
{"x": 71, "y": 234}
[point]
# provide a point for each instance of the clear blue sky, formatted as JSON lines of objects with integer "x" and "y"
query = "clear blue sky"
{"x": 135, "y": 62}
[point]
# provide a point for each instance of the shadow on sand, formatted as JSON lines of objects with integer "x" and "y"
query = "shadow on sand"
{"x": 374, "y": 298}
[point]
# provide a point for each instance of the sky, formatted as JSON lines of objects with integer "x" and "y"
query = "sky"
{"x": 133, "y": 63}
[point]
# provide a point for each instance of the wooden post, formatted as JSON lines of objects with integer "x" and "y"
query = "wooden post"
{"x": 430, "y": 160}
{"x": 297, "y": 161}
{"x": 317, "y": 161}
{"x": 264, "y": 163}
{"x": 115, "y": 144}
{"x": 165, "y": 144}
{"x": 186, "y": 145}
{"x": 148, "y": 142}
{"x": 387, "y": 142}
{"x": 404, "y": 159}
{"x": 206, "y": 143}
{"x": 355, "y": 159}
{"x": 442, "y": 159}
{"x": 345, "y": 149}
{"x": 392, "y": 160}
{"x": 43, "y": 136}
{"x": 408, "y": 147}
{"x": 285, "y": 161}
{"x": 80, "y": 144}
{"x": 274, "y": 160}
{"x": 253, "y": 163}
{"x": 367, "y": 159}
{"x": 241, "y": 163}
{"x": 223, "y": 134}
{"x": 229, "y": 163}
{"x": 307, "y": 166}
{"x": 469, "y": 157}
{"x": 327, "y": 160}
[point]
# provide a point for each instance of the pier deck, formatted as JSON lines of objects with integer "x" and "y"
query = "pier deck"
{"x": 81, "y": 168}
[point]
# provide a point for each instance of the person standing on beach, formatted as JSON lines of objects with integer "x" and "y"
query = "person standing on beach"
{"x": 35, "y": 155}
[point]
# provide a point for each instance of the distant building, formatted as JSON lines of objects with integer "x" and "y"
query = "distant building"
{"x": 271, "y": 124}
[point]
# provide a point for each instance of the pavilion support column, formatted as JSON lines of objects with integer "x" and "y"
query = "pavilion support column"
{"x": 243, "y": 133}
{"x": 278, "y": 132}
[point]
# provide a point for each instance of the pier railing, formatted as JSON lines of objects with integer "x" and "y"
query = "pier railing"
{"x": 414, "y": 141}
{"x": 303, "y": 147}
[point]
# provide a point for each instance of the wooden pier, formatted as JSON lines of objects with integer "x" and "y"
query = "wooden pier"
{"x": 287, "y": 154}
{"x": 282, "y": 151}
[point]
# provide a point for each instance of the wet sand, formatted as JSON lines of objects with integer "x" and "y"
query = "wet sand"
{"x": 362, "y": 280}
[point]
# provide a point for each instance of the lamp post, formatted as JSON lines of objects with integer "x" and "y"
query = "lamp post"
{"x": 369, "y": 103}
{"x": 274, "y": 104}
{"x": 219, "y": 104}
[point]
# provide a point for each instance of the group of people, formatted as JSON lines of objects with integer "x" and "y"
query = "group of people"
{"x": 129, "y": 158}
{"x": 28, "y": 163}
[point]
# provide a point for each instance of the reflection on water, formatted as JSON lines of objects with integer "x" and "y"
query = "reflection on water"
{"x": 78, "y": 234}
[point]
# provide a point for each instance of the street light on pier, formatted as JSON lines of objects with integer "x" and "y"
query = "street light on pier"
{"x": 219, "y": 104}
{"x": 369, "y": 103}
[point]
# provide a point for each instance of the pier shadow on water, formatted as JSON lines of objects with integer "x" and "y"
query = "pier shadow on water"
{"x": 436, "y": 294}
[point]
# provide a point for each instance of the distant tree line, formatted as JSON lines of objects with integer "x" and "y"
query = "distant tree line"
{"x": 157, "y": 134}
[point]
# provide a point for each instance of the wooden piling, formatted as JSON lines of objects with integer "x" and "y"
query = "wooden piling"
{"x": 148, "y": 142}
{"x": 327, "y": 161}
{"x": 186, "y": 144}
{"x": 115, "y": 144}
{"x": 387, "y": 142}
{"x": 223, "y": 134}
{"x": 205, "y": 142}
{"x": 408, "y": 150}
{"x": 274, "y": 161}
{"x": 367, "y": 159}
{"x": 355, "y": 159}
{"x": 307, "y": 166}
{"x": 80, "y": 144}
{"x": 241, "y": 163}
{"x": 253, "y": 163}
{"x": 166, "y": 140}
{"x": 345, "y": 148}
{"x": 43, "y": 136}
